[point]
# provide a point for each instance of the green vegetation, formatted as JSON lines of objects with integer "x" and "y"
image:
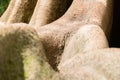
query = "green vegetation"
{"x": 3, "y": 5}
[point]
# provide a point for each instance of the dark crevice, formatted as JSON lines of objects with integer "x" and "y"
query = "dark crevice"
{"x": 115, "y": 32}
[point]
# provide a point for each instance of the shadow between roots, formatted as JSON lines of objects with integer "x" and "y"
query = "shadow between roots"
{"x": 115, "y": 33}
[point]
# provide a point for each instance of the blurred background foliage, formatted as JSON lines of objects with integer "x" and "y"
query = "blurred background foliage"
{"x": 3, "y": 5}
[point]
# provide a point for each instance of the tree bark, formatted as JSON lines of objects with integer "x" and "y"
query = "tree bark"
{"x": 19, "y": 11}
{"x": 81, "y": 42}
{"x": 101, "y": 64}
{"x": 47, "y": 11}
{"x": 7, "y": 13}
{"x": 56, "y": 35}
{"x": 37, "y": 50}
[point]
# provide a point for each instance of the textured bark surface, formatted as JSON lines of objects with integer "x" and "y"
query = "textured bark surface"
{"x": 74, "y": 47}
{"x": 47, "y": 11}
{"x": 57, "y": 34}
{"x": 81, "y": 42}
{"x": 100, "y": 64}
{"x": 19, "y": 11}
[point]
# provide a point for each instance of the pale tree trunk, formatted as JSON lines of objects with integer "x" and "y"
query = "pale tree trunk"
{"x": 7, "y": 13}
{"x": 47, "y": 11}
{"x": 57, "y": 34}
{"x": 91, "y": 12}
{"x": 19, "y": 11}
{"x": 79, "y": 36}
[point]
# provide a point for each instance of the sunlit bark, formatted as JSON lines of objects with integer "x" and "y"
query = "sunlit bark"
{"x": 53, "y": 50}
{"x": 19, "y": 11}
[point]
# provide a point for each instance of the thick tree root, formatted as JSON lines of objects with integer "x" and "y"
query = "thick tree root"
{"x": 47, "y": 11}
{"x": 19, "y": 11}
{"x": 56, "y": 35}
{"x": 22, "y": 55}
{"x": 32, "y": 52}
{"x": 102, "y": 64}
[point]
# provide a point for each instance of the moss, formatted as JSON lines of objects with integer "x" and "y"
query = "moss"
{"x": 12, "y": 45}
{"x": 22, "y": 56}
